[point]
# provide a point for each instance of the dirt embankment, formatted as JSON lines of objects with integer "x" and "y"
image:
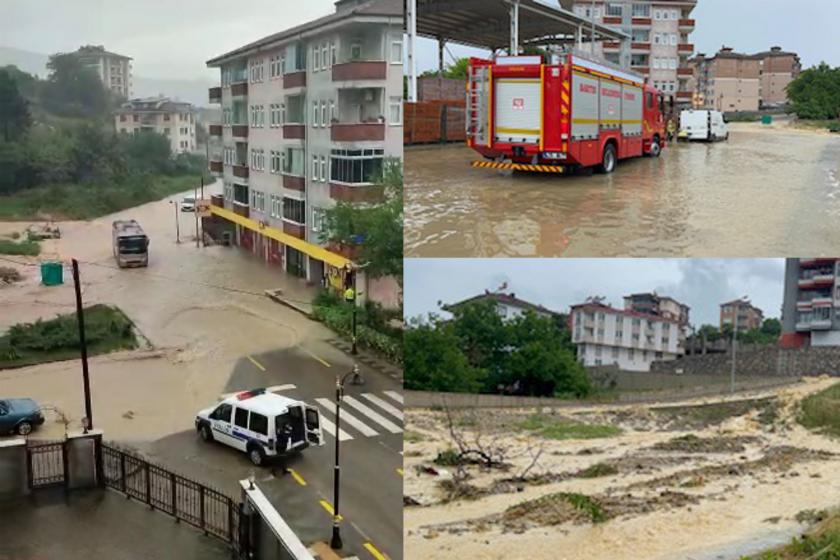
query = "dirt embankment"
{"x": 606, "y": 482}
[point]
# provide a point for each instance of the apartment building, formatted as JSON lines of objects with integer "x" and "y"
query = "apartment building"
{"x": 309, "y": 116}
{"x": 628, "y": 339}
{"x": 660, "y": 45}
{"x": 173, "y": 119}
{"x": 113, "y": 69}
{"x": 741, "y": 313}
{"x": 811, "y": 305}
{"x": 508, "y": 306}
{"x": 651, "y": 303}
{"x": 732, "y": 81}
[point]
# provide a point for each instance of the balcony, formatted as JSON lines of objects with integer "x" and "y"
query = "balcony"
{"x": 803, "y": 326}
{"x": 217, "y": 167}
{"x": 360, "y": 70}
{"x": 822, "y": 301}
{"x": 612, "y": 20}
{"x": 294, "y": 131}
{"x": 685, "y": 48}
{"x": 820, "y": 324}
{"x": 294, "y": 79}
{"x": 357, "y": 132}
{"x": 215, "y": 95}
{"x": 642, "y": 22}
{"x": 687, "y": 72}
{"x": 296, "y": 230}
{"x": 294, "y": 182}
{"x": 645, "y": 70}
{"x": 239, "y": 90}
{"x": 612, "y": 45}
{"x": 241, "y": 209}
{"x": 215, "y": 130}
{"x": 684, "y": 95}
{"x": 640, "y": 47}
{"x": 241, "y": 171}
{"x": 239, "y": 131}
{"x": 686, "y": 24}
{"x": 356, "y": 193}
{"x": 807, "y": 263}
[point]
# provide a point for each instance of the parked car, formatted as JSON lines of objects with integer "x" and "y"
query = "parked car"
{"x": 19, "y": 416}
{"x": 188, "y": 204}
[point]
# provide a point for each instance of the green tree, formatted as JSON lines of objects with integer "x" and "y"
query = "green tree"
{"x": 435, "y": 360}
{"x": 27, "y": 84}
{"x": 710, "y": 331}
{"x": 14, "y": 109}
{"x": 481, "y": 333}
{"x": 374, "y": 229}
{"x": 50, "y": 154}
{"x": 815, "y": 94}
{"x": 15, "y": 170}
{"x": 457, "y": 70}
{"x": 97, "y": 154}
{"x": 73, "y": 89}
{"x": 771, "y": 327}
{"x": 147, "y": 152}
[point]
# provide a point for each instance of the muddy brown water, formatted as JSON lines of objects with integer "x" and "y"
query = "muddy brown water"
{"x": 766, "y": 192}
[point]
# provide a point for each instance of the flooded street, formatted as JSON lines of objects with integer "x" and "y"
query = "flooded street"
{"x": 768, "y": 191}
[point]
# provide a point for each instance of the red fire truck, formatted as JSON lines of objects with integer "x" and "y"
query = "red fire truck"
{"x": 526, "y": 115}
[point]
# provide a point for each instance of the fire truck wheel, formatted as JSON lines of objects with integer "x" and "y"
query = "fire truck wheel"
{"x": 655, "y": 148}
{"x": 608, "y": 163}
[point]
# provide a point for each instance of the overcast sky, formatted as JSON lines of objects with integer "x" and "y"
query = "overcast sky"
{"x": 702, "y": 284}
{"x": 803, "y": 26}
{"x": 167, "y": 39}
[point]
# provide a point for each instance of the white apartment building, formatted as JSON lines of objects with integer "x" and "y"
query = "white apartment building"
{"x": 113, "y": 69}
{"x": 660, "y": 45}
{"x": 508, "y": 306}
{"x": 173, "y": 119}
{"x": 622, "y": 337}
{"x": 309, "y": 116}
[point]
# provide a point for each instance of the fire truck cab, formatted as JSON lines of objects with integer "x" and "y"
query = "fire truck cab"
{"x": 526, "y": 115}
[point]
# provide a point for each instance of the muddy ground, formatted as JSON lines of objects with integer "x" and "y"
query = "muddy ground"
{"x": 681, "y": 480}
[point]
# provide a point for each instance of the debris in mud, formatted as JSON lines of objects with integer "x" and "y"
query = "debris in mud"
{"x": 9, "y": 275}
{"x": 459, "y": 489}
{"x": 811, "y": 516}
{"x": 691, "y": 443}
{"x": 704, "y": 415}
{"x": 409, "y": 501}
{"x": 598, "y": 470}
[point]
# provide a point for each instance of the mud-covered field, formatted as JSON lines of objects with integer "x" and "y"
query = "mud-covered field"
{"x": 696, "y": 479}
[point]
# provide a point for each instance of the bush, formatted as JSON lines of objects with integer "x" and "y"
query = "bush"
{"x": 102, "y": 323}
{"x": 24, "y": 248}
{"x": 338, "y": 316}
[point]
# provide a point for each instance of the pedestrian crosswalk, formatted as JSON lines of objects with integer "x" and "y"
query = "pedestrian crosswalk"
{"x": 360, "y": 420}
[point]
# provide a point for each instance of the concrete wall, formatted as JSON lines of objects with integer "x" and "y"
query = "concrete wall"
{"x": 13, "y": 478}
{"x": 760, "y": 361}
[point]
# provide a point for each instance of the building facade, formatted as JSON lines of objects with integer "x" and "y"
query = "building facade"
{"x": 742, "y": 314}
{"x": 660, "y": 306}
{"x": 811, "y": 305}
{"x": 309, "y": 117}
{"x": 660, "y": 45}
{"x": 113, "y": 69}
{"x": 508, "y": 306}
{"x": 622, "y": 337}
{"x": 731, "y": 81}
{"x": 173, "y": 119}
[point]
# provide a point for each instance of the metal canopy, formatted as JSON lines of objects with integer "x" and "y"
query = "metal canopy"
{"x": 487, "y": 23}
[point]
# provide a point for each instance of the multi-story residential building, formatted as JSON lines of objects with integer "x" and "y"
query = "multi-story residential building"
{"x": 811, "y": 305}
{"x": 661, "y": 306}
{"x": 628, "y": 339}
{"x": 660, "y": 45}
{"x": 173, "y": 119}
{"x": 113, "y": 69}
{"x": 309, "y": 115}
{"x": 508, "y": 306}
{"x": 778, "y": 69}
{"x": 742, "y": 314}
{"x": 731, "y": 81}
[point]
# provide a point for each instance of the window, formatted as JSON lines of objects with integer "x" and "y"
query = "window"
{"x": 614, "y": 10}
{"x": 332, "y": 53}
{"x": 315, "y": 168}
{"x": 641, "y": 10}
{"x": 395, "y": 111}
{"x": 324, "y": 49}
{"x": 396, "y": 52}
{"x": 356, "y": 166}
{"x": 324, "y": 169}
{"x": 356, "y": 51}
{"x": 122, "y": 118}
{"x": 333, "y": 115}
{"x": 316, "y": 58}
{"x": 641, "y": 36}
{"x": 222, "y": 412}
{"x": 314, "y": 114}
{"x": 274, "y": 162}
{"x": 319, "y": 215}
{"x": 631, "y": 353}
{"x": 615, "y": 352}
{"x": 241, "y": 418}
{"x": 294, "y": 210}
{"x": 293, "y": 162}
{"x": 323, "y": 114}
{"x": 136, "y": 118}
{"x": 638, "y": 60}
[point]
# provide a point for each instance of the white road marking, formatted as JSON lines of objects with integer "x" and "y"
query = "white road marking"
{"x": 395, "y": 395}
{"x": 280, "y": 388}
{"x": 346, "y": 417}
{"x": 329, "y": 427}
{"x": 392, "y": 410}
{"x": 373, "y": 415}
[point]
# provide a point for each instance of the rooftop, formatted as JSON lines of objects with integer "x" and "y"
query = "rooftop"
{"x": 345, "y": 10}
{"x": 98, "y": 50}
{"x": 594, "y": 306}
{"x": 155, "y": 105}
{"x": 508, "y": 299}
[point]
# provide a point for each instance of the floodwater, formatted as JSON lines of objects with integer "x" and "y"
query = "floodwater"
{"x": 768, "y": 191}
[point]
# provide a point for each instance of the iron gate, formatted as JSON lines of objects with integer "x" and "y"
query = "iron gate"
{"x": 46, "y": 463}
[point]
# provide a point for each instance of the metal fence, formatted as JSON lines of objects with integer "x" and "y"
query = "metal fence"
{"x": 186, "y": 500}
{"x": 46, "y": 463}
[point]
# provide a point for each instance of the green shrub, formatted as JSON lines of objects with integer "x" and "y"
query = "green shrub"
{"x": 27, "y": 248}
{"x": 448, "y": 458}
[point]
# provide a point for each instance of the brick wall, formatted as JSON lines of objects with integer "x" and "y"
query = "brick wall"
{"x": 431, "y": 88}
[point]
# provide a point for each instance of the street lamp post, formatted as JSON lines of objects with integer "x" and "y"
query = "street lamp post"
{"x": 734, "y": 345}
{"x": 174, "y": 204}
{"x": 336, "y": 542}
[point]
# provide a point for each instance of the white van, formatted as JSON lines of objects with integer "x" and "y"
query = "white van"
{"x": 263, "y": 425}
{"x": 700, "y": 124}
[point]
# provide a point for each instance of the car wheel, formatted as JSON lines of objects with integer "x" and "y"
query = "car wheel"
{"x": 256, "y": 456}
{"x": 608, "y": 163}
{"x": 206, "y": 434}
{"x": 24, "y": 429}
{"x": 655, "y": 149}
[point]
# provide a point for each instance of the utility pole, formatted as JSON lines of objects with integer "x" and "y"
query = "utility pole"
{"x": 80, "y": 316}
{"x": 174, "y": 204}
{"x": 355, "y": 295}
{"x": 195, "y": 211}
{"x": 336, "y": 542}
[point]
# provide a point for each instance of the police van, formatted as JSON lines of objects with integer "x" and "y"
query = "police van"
{"x": 262, "y": 424}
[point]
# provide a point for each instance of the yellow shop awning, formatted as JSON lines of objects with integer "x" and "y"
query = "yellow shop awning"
{"x": 314, "y": 251}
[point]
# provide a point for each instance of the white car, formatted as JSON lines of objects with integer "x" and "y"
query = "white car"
{"x": 263, "y": 425}
{"x": 188, "y": 204}
{"x": 701, "y": 124}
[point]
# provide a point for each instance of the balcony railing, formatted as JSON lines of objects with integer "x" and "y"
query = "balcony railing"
{"x": 217, "y": 167}
{"x": 241, "y": 209}
{"x": 642, "y": 21}
{"x": 215, "y": 130}
{"x": 294, "y": 131}
{"x": 351, "y": 193}
{"x": 294, "y": 79}
{"x": 686, "y": 23}
{"x": 687, "y": 95}
{"x": 685, "y": 72}
{"x": 360, "y": 70}
{"x": 685, "y": 48}
{"x": 239, "y": 130}
{"x": 294, "y": 182}
{"x": 612, "y": 20}
{"x": 611, "y": 45}
{"x": 356, "y": 132}
{"x": 240, "y": 171}
{"x": 296, "y": 230}
{"x": 239, "y": 90}
{"x": 640, "y": 46}
{"x": 215, "y": 95}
